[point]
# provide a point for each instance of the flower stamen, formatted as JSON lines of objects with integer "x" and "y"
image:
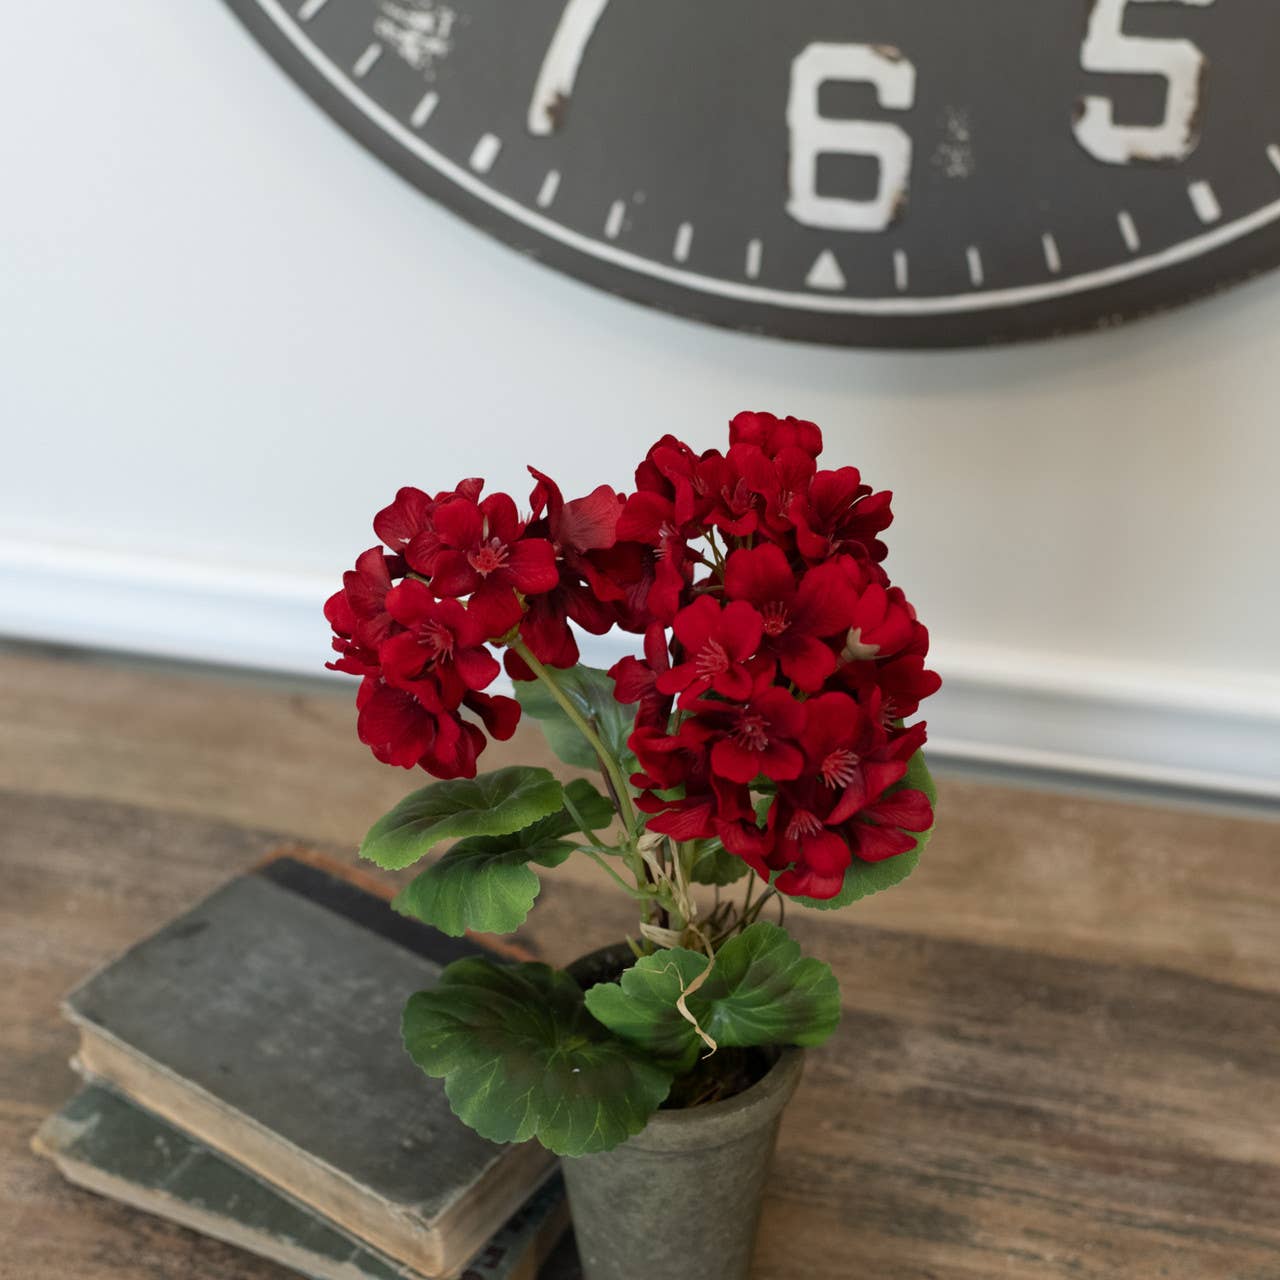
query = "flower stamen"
{"x": 488, "y": 557}
{"x": 712, "y": 660}
{"x": 840, "y": 768}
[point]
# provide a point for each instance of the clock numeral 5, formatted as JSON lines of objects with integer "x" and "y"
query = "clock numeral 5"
{"x": 1178, "y": 62}
{"x": 813, "y": 135}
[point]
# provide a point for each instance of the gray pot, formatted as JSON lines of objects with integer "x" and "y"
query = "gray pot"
{"x": 681, "y": 1199}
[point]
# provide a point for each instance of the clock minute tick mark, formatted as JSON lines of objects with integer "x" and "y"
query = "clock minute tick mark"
{"x": 1129, "y": 230}
{"x": 547, "y": 192}
{"x": 485, "y": 152}
{"x": 613, "y": 223}
{"x": 424, "y": 110}
{"x": 364, "y": 63}
{"x": 310, "y": 8}
{"x": 1204, "y": 202}
{"x": 684, "y": 241}
{"x": 1273, "y": 154}
{"x": 1052, "y": 258}
{"x": 974, "y": 259}
{"x": 755, "y": 253}
{"x": 901, "y": 270}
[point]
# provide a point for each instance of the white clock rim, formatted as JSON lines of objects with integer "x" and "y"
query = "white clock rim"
{"x": 942, "y": 304}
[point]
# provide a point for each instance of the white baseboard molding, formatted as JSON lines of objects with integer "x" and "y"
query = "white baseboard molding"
{"x": 1204, "y": 730}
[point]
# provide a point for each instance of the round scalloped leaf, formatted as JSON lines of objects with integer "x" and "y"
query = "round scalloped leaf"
{"x": 865, "y": 878}
{"x": 522, "y": 1058}
{"x": 494, "y": 804}
{"x": 761, "y": 991}
{"x": 485, "y": 883}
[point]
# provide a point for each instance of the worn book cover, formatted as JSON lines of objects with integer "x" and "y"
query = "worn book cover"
{"x": 265, "y": 1022}
{"x": 105, "y": 1143}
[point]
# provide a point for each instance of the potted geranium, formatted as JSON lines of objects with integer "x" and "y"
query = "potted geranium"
{"x": 757, "y": 745}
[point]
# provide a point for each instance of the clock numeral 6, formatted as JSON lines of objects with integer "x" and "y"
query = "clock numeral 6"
{"x": 813, "y": 135}
{"x": 1178, "y": 62}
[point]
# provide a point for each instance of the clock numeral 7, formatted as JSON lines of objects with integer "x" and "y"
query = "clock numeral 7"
{"x": 1178, "y": 62}
{"x": 813, "y": 135}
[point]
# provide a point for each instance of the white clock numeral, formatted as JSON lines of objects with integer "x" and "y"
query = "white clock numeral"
{"x": 1178, "y": 62}
{"x": 559, "y": 69}
{"x": 812, "y": 135}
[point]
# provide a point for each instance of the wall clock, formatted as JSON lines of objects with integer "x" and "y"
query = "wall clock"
{"x": 875, "y": 172}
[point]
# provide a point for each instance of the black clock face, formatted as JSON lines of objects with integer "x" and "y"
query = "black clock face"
{"x": 887, "y": 172}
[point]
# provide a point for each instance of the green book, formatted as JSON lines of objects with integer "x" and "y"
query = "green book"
{"x": 265, "y": 1023}
{"x": 107, "y": 1144}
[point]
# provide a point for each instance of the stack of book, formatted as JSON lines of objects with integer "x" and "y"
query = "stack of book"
{"x": 244, "y": 1078}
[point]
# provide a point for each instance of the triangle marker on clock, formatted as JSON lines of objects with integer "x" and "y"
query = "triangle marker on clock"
{"x": 825, "y": 272}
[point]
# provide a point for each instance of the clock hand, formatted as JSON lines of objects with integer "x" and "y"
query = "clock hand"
{"x": 559, "y": 69}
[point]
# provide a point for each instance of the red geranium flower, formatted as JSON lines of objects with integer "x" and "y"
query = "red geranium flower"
{"x": 636, "y": 681}
{"x": 717, "y": 645}
{"x": 358, "y": 613}
{"x": 408, "y": 518}
{"x": 815, "y": 854}
{"x": 440, "y": 636}
{"x": 755, "y": 737}
{"x": 796, "y": 618}
{"x": 773, "y": 434}
{"x": 480, "y": 548}
{"x": 575, "y": 529}
{"x": 841, "y": 514}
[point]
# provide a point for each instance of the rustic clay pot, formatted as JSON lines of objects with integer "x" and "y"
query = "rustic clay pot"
{"x": 681, "y": 1199}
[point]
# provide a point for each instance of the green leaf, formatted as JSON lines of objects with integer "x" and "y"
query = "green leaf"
{"x": 485, "y": 883}
{"x": 596, "y": 811}
{"x": 865, "y": 878}
{"x": 760, "y": 991}
{"x": 493, "y": 804}
{"x": 591, "y": 693}
{"x": 712, "y": 863}
{"x": 522, "y": 1058}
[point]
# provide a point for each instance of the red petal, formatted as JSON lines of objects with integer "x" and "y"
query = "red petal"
{"x": 808, "y": 662}
{"x": 338, "y": 613}
{"x": 477, "y": 668}
{"x": 454, "y": 575}
{"x": 643, "y": 517}
{"x": 826, "y": 602}
{"x": 495, "y": 611}
{"x": 458, "y": 523}
{"x": 875, "y": 844}
{"x": 500, "y": 715}
{"x": 591, "y": 523}
{"x": 760, "y": 576}
{"x": 532, "y": 564}
{"x": 408, "y": 515}
{"x": 740, "y": 629}
{"x": 908, "y": 809}
{"x": 502, "y": 520}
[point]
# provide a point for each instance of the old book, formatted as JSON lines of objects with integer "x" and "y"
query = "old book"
{"x": 265, "y": 1023}
{"x": 105, "y": 1143}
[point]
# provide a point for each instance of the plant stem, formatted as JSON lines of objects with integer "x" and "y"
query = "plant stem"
{"x": 592, "y": 839}
{"x": 610, "y": 766}
{"x": 760, "y": 905}
{"x": 631, "y": 889}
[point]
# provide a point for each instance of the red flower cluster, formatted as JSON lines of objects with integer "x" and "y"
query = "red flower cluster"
{"x": 773, "y": 718}
{"x": 402, "y": 625}
{"x": 779, "y": 663}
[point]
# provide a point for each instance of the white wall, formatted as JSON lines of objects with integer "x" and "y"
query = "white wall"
{"x": 227, "y": 334}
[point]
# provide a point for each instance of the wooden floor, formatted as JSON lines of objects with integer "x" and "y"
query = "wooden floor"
{"x": 1060, "y": 1055}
